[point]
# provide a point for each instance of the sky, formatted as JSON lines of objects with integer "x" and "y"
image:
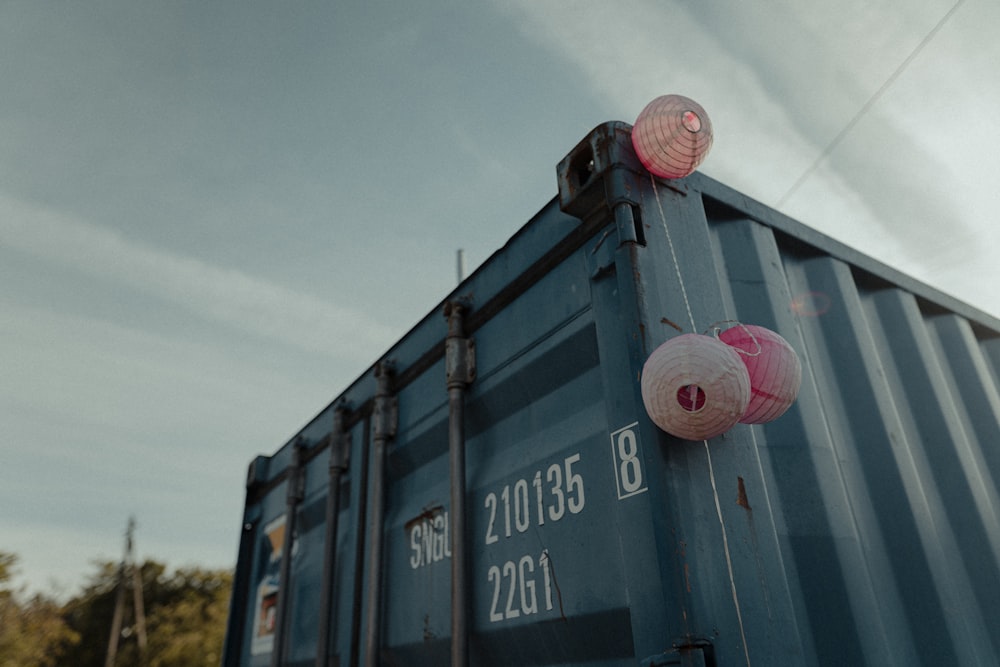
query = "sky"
{"x": 215, "y": 216}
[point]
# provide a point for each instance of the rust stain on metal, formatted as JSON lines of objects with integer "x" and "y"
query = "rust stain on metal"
{"x": 741, "y": 494}
{"x": 600, "y": 241}
{"x": 555, "y": 584}
{"x": 664, "y": 320}
{"x": 672, "y": 184}
{"x": 426, "y": 514}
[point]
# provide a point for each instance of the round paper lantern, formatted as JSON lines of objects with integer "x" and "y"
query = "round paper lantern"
{"x": 672, "y": 136}
{"x": 774, "y": 370}
{"x": 695, "y": 387}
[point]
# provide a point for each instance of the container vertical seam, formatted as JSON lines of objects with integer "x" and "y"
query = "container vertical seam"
{"x": 708, "y": 453}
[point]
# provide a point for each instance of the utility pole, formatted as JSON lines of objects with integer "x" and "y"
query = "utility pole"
{"x": 460, "y": 264}
{"x": 126, "y": 568}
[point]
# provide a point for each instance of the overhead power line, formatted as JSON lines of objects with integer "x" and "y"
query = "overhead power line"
{"x": 868, "y": 105}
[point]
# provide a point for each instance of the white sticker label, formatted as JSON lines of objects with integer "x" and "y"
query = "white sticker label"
{"x": 627, "y": 457}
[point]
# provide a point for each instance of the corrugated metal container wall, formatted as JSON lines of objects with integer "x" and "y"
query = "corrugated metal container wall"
{"x": 861, "y": 527}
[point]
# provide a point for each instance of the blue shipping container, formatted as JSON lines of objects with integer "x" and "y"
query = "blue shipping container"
{"x": 492, "y": 491}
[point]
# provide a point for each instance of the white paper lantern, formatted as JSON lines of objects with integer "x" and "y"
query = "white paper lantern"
{"x": 695, "y": 387}
{"x": 672, "y": 136}
{"x": 774, "y": 370}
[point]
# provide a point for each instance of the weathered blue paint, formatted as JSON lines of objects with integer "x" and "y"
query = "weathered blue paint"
{"x": 862, "y": 527}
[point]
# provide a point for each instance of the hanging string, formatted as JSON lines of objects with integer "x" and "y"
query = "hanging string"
{"x": 729, "y": 560}
{"x": 673, "y": 253}
{"x": 708, "y": 453}
{"x": 716, "y": 329}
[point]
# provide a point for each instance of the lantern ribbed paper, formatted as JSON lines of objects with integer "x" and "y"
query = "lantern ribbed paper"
{"x": 774, "y": 370}
{"x": 672, "y": 136}
{"x": 695, "y": 387}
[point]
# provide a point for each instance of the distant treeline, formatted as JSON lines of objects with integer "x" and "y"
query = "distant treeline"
{"x": 184, "y": 618}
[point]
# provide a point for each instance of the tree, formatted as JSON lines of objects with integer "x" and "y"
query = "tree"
{"x": 191, "y": 630}
{"x": 90, "y": 612}
{"x": 33, "y": 632}
{"x": 185, "y": 617}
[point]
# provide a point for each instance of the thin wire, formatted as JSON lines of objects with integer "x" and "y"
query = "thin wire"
{"x": 868, "y": 105}
{"x": 708, "y": 453}
{"x": 673, "y": 255}
{"x": 729, "y": 560}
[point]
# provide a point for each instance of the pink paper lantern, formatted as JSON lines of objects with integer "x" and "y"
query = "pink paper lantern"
{"x": 774, "y": 370}
{"x": 695, "y": 387}
{"x": 672, "y": 136}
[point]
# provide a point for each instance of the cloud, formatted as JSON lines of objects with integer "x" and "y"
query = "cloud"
{"x": 103, "y": 420}
{"x": 225, "y": 295}
{"x": 633, "y": 52}
{"x": 781, "y": 81}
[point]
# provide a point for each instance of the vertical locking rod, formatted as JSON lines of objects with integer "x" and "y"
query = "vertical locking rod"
{"x": 460, "y": 370}
{"x": 296, "y": 491}
{"x": 340, "y": 443}
{"x": 384, "y": 429}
